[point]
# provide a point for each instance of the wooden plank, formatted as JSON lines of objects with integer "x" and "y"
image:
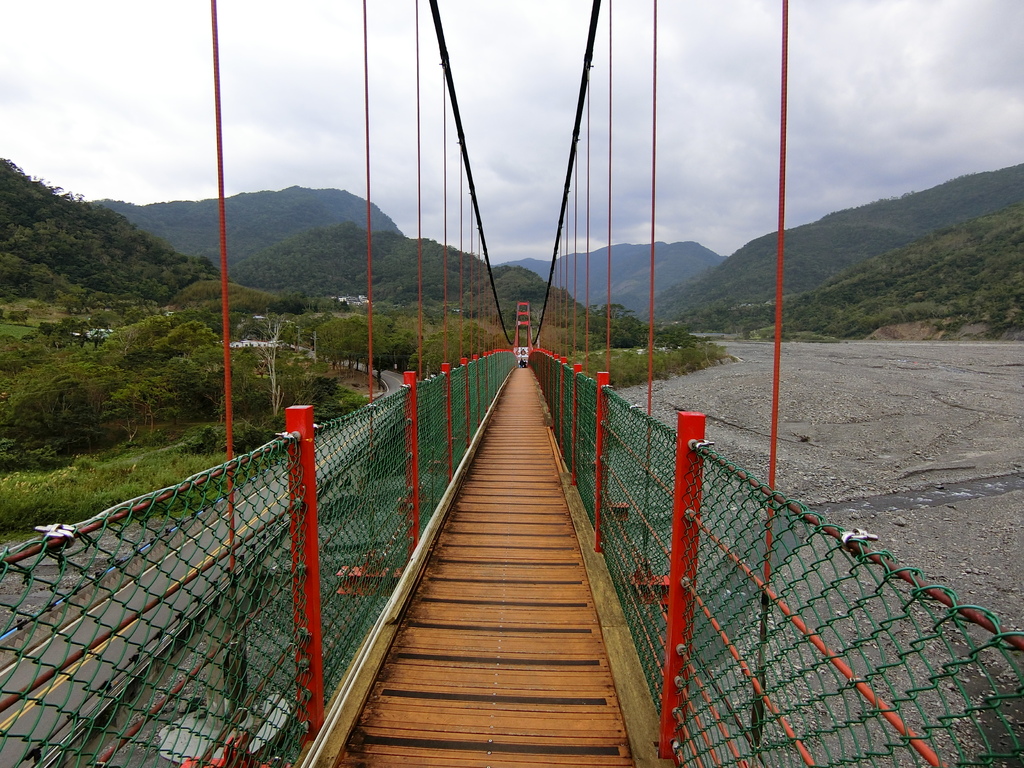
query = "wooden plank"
{"x": 499, "y": 659}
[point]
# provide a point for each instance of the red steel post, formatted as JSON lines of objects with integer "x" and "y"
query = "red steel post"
{"x": 476, "y": 377}
{"x": 577, "y": 368}
{"x": 552, "y": 382}
{"x": 306, "y": 571}
{"x": 602, "y": 382}
{"x": 686, "y": 499}
{"x": 413, "y": 471}
{"x": 465, "y": 364}
{"x": 562, "y": 415}
{"x": 446, "y": 371}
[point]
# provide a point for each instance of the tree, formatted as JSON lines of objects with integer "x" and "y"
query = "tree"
{"x": 61, "y": 403}
{"x": 343, "y": 340}
{"x": 139, "y": 401}
{"x": 271, "y": 328}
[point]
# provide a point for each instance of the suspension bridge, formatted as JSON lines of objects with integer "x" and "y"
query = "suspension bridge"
{"x": 493, "y": 566}
{"x": 500, "y": 564}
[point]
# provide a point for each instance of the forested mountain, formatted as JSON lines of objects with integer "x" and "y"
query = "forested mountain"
{"x": 673, "y": 263}
{"x": 52, "y": 244}
{"x": 331, "y": 261}
{"x": 255, "y": 220}
{"x": 815, "y": 252}
{"x": 967, "y": 276}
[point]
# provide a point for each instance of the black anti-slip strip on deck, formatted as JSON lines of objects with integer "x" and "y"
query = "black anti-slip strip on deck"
{"x": 507, "y": 546}
{"x": 477, "y": 746}
{"x": 495, "y": 698}
{"x": 527, "y": 582}
{"x": 549, "y": 564}
{"x": 510, "y": 603}
{"x": 461, "y": 520}
{"x": 516, "y": 534}
{"x": 492, "y": 628}
{"x": 502, "y": 661}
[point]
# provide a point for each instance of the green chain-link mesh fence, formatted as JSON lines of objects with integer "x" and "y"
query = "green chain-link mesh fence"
{"x": 586, "y": 447}
{"x": 364, "y": 513}
{"x": 473, "y": 374}
{"x": 636, "y": 523}
{"x": 434, "y": 440}
{"x": 831, "y": 655}
{"x": 168, "y": 628}
{"x": 365, "y": 497}
{"x": 566, "y": 413}
{"x": 159, "y": 629}
{"x": 459, "y": 388}
{"x": 577, "y": 436}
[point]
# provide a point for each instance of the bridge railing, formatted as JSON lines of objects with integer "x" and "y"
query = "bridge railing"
{"x": 206, "y": 623}
{"x": 768, "y": 635}
{"x": 365, "y": 494}
{"x": 161, "y": 627}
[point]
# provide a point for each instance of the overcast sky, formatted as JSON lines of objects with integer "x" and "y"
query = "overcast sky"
{"x": 113, "y": 99}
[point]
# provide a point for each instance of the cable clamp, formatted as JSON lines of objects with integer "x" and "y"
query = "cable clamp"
{"x": 857, "y": 535}
{"x": 57, "y": 531}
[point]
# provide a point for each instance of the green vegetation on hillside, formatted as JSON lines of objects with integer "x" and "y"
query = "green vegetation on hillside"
{"x": 156, "y": 386}
{"x": 972, "y": 273}
{"x": 57, "y": 248}
{"x": 732, "y": 296}
{"x": 255, "y": 220}
{"x": 205, "y": 294}
{"x": 331, "y": 261}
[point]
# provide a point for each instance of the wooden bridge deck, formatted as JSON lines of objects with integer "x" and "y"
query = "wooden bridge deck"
{"x": 499, "y": 659}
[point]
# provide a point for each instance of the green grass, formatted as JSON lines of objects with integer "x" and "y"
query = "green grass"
{"x": 89, "y": 486}
{"x": 17, "y": 331}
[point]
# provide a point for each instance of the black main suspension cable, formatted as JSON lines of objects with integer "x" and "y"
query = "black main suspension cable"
{"x": 446, "y": 64}
{"x": 584, "y": 86}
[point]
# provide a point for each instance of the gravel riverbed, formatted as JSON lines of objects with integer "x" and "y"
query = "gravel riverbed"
{"x": 918, "y": 442}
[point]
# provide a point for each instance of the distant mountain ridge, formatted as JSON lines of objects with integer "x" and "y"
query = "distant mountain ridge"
{"x": 673, "y": 263}
{"x": 818, "y": 251}
{"x": 255, "y": 220}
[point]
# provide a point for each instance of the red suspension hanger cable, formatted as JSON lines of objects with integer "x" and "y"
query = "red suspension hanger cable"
{"x": 369, "y": 229}
{"x": 654, "y": 200}
{"x": 586, "y": 289}
{"x": 222, "y": 218}
{"x": 575, "y": 255}
{"x": 462, "y": 266}
{"x": 419, "y": 207}
{"x": 444, "y": 206}
{"x": 608, "y": 298}
{"x": 781, "y": 242}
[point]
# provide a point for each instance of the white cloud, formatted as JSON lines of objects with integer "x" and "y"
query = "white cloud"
{"x": 114, "y": 99}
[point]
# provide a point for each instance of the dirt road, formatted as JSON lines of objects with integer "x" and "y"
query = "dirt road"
{"x": 864, "y": 420}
